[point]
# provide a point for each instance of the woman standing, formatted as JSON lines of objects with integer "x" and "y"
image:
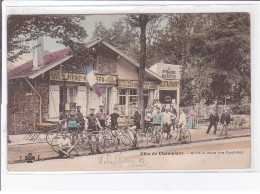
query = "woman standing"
{"x": 191, "y": 121}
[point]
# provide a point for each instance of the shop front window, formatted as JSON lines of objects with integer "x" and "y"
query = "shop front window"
{"x": 122, "y": 96}
{"x": 72, "y": 94}
{"x": 133, "y": 96}
{"x": 122, "y": 101}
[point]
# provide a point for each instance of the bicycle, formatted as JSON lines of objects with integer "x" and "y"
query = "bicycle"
{"x": 50, "y": 135}
{"x": 57, "y": 134}
{"x": 141, "y": 136}
{"x": 120, "y": 138}
{"x": 154, "y": 134}
{"x": 88, "y": 142}
{"x": 180, "y": 135}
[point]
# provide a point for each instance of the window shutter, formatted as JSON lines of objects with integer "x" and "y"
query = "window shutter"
{"x": 54, "y": 101}
{"x": 81, "y": 99}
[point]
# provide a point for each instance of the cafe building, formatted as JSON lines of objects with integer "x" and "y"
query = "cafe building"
{"x": 42, "y": 89}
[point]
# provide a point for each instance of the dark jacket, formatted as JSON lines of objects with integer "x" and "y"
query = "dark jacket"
{"x": 91, "y": 120}
{"x": 80, "y": 116}
{"x": 225, "y": 117}
{"x": 213, "y": 118}
{"x": 137, "y": 118}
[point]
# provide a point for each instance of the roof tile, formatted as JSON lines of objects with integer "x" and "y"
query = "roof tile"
{"x": 26, "y": 68}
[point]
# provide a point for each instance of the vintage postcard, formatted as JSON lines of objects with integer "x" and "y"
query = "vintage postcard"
{"x": 128, "y": 92}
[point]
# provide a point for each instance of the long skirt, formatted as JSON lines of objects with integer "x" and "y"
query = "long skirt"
{"x": 191, "y": 122}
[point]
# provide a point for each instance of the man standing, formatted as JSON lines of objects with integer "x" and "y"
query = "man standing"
{"x": 148, "y": 116}
{"x": 167, "y": 121}
{"x": 213, "y": 119}
{"x": 113, "y": 117}
{"x": 80, "y": 118}
{"x": 154, "y": 110}
{"x": 72, "y": 120}
{"x": 225, "y": 121}
{"x": 136, "y": 126}
{"x": 93, "y": 122}
{"x": 102, "y": 116}
{"x": 158, "y": 123}
{"x": 174, "y": 112}
{"x": 182, "y": 120}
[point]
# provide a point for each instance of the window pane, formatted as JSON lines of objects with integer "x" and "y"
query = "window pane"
{"x": 121, "y": 91}
{"x": 122, "y": 100}
{"x": 133, "y": 92}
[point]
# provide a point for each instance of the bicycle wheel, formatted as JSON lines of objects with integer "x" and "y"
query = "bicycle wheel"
{"x": 50, "y": 135}
{"x": 54, "y": 143}
{"x": 142, "y": 139}
{"x": 83, "y": 145}
{"x": 123, "y": 142}
{"x": 186, "y": 136}
{"x": 173, "y": 137}
{"x": 149, "y": 134}
{"x": 158, "y": 138}
{"x": 109, "y": 144}
{"x": 165, "y": 138}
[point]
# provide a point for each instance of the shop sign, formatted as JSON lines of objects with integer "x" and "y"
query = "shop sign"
{"x": 168, "y": 74}
{"x": 148, "y": 85}
{"x": 168, "y": 99}
{"x": 74, "y": 77}
{"x": 169, "y": 84}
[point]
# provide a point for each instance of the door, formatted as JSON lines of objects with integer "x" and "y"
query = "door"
{"x": 81, "y": 99}
{"x": 54, "y": 101}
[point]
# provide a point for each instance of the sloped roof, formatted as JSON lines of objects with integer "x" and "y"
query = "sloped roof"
{"x": 55, "y": 58}
{"x": 50, "y": 60}
{"x": 131, "y": 60}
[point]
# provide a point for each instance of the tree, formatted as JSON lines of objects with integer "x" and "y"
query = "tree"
{"x": 214, "y": 51}
{"x": 140, "y": 21}
{"x": 225, "y": 55}
{"x": 120, "y": 36}
{"x": 22, "y": 29}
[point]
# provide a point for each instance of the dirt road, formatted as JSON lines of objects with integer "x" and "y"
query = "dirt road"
{"x": 221, "y": 154}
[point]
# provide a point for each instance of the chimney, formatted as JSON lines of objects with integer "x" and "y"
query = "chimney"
{"x": 38, "y": 52}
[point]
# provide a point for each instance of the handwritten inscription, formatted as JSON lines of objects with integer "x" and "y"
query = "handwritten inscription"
{"x": 117, "y": 159}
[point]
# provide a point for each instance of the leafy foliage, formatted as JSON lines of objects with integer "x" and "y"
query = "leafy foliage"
{"x": 23, "y": 29}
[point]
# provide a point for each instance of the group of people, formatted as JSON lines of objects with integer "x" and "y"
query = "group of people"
{"x": 214, "y": 119}
{"x": 160, "y": 116}
{"x": 75, "y": 119}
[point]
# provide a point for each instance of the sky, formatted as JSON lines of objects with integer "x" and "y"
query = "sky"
{"x": 89, "y": 25}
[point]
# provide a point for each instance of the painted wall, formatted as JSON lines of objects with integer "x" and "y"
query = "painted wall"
{"x": 125, "y": 70}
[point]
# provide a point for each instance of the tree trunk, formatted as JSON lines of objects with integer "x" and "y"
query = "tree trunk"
{"x": 217, "y": 103}
{"x": 143, "y": 22}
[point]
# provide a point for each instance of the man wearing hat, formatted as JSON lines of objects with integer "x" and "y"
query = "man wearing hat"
{"x": 73, "y": 120}
{"x": 213, "y": 119}
{"x": 167, "y": 121}
{"x": 93, "y": 122}
{"x": 148, "y": 116}
{"x": 136, "y": 126}
{"x": 225, "y": 121}
{"x": 113, "y": 117}
{"x": 80, "y": 118}
{"x": 102, "y": 116}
